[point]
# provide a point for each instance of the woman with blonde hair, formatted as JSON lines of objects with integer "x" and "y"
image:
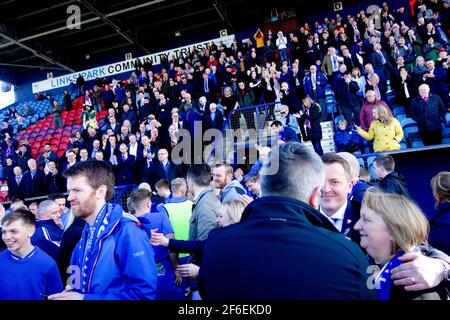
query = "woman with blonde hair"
{"x": 385, "y": 130}
{"x": 360, "y": 80}
{"x": 390, "y": 226}
{"x": 311, "y": 118}
{"x": 230, "y": 212}
{"x": 440, "y": 219}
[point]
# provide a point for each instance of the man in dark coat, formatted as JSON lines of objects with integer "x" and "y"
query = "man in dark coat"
{"x": 436, "y": 78}
{"x": 17, "y": 185}
{"x": 34, "y": 178}
{"x": 125, "y": 166}
{"x": 213, "y": 119}
{"x": 350, "y": 103}
{"x": 259, "y": 258}
{"x": 428, "y": 111}
{"x": 69, "y": 240}
{"x": 314, "y": 84}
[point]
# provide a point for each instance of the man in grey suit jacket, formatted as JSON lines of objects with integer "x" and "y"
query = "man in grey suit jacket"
{"x": 204, "y": 211}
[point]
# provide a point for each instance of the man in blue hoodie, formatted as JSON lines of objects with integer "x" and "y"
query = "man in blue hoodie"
{"x": 113, "y": 259}
{"x": 140, "y": 204}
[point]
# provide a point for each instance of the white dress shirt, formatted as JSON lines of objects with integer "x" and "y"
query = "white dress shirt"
{"x": 337, "y": 218}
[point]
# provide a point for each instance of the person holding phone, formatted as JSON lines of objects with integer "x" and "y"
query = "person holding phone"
{"x": 385, "y": 130}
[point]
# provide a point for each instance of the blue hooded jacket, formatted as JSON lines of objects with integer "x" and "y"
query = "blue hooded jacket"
{"x": 123, "y": 267}
{"x": 167, "y": 289}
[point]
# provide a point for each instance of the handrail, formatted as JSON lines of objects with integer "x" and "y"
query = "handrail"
{"x": 374, "y": 154}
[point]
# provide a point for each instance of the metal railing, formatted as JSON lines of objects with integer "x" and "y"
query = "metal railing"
{"x": 254, "y": 117}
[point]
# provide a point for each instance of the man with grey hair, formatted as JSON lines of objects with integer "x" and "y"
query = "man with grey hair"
{"x": 283, "y": 248}
{"x": 428, "y": 111}
{"x": 49, "y": 228}
{"x": 34, "y": 178}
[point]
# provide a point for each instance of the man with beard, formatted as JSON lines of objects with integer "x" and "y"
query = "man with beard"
{"x": 113, "y": 259}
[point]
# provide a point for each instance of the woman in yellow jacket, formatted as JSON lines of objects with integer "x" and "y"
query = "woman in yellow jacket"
{"x": 385, "y": 130}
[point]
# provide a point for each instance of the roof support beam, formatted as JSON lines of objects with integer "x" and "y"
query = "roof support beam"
{"x": 29, "y": 66}
{"x": 222, "y": 12}
{"x": 105, "y": 19}
{"x": 83, "y": 22}
{"x": 40, "y": 11}
{"x": 36, "y": 53}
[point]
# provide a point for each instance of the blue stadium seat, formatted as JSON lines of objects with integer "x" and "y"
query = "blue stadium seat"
{"x": 412, "y": 137}
{"x": 446, "y": 141}
{"x": 446, "y": 133}
{"x": 417, "y": 144}
{"x": 403, "y": 145}
{"x": 407, "y": 121}
{"x": 361, "y": 162}
{"x": 400, "y": 117}
{"x": 398, "y": 110}
{"x": 329, "y": 93}
{"x": 390, "y": 99}
{"x": 410, "y": 129}
{"x": 447, "y": 119}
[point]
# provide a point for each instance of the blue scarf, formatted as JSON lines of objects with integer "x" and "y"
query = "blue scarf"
{"x": 383, "y": 281}
{"x": 90, "y": 245}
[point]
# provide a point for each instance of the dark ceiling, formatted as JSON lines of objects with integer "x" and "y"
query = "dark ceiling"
{"x": 33, "y": 34}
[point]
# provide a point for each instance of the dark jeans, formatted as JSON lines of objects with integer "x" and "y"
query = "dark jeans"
{"x": 431, "y": 137}
{"x": 57, "y": 122}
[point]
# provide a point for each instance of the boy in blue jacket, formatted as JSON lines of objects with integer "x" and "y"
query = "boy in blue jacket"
{"x": 26, "y": 271}
{"x": 113, "y": 259}
{"x": 345, "y": 138}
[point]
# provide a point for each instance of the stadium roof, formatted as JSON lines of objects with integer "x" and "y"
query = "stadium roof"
{"x": 34, "y": 34}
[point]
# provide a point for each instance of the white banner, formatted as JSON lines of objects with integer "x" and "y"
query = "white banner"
{"x": 123, "y": 66}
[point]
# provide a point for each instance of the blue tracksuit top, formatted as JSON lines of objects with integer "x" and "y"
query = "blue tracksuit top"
{"x": 124, "y": 267}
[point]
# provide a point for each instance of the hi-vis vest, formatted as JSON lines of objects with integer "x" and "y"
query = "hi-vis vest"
{"x": 179, "y": 215}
